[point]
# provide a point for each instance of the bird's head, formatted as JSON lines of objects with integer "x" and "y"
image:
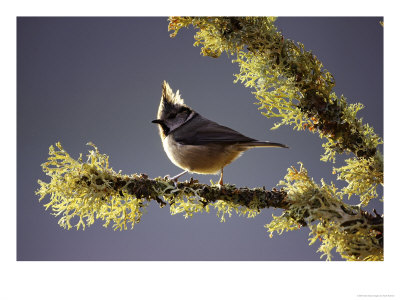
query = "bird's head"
{"x": 172, "y": 111}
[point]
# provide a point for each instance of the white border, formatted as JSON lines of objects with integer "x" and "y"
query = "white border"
{"x": 194, "y": 280}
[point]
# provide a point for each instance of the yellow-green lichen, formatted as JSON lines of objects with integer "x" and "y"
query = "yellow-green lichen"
{"x": 354, "y": 234}
{"x": 95, "y": 199}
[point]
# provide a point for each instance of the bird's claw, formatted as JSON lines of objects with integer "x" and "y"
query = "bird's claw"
{"x": 173, "y": 179}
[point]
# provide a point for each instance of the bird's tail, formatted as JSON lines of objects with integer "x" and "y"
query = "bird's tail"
{"x": 263, "y": 144}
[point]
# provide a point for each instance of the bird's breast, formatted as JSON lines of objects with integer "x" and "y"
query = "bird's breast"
{"x": 203, "y": 159}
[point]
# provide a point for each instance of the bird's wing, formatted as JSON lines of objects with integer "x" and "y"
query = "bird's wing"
{"x": 201, "y": 131}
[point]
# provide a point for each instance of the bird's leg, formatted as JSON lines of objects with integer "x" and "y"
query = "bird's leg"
{"x": 175, "y": 178}
{"x": 221, "y": 179}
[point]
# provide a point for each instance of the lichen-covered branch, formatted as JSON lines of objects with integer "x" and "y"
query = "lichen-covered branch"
{"x": 291, "y": 84}
{"x": 87, "y": 190}
{"x": 354, "y": 233}
{"x": 92, "y": 190}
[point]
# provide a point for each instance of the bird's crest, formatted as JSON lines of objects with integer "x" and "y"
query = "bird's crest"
{"x": 169, "y": 100}
{"x": 169, "y": 96}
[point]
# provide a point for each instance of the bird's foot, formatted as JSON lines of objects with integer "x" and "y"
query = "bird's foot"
{"x": 174, "y": 179}
{"x": 167, "y": 177}
{"x": 221, "y": 179}
{"x": 220, "y": 184}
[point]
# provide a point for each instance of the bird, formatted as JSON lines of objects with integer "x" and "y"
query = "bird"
{"x": 196, "y": 144}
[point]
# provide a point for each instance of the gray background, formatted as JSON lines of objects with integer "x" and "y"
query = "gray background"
{"x": 99, "y": 80}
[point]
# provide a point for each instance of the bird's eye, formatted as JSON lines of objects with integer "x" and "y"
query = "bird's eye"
{"x": 182, "y": 109}
{"x": 171, "y": 116}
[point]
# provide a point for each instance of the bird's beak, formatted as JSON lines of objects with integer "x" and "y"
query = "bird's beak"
{"x": 157, "y": 121}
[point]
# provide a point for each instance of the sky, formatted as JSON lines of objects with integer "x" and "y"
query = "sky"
{"x": 99, "y": 80}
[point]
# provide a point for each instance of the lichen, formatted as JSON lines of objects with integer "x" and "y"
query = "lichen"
{"x": 355, "y": 234}
{"x": 85, "y": 191}
{"x": 363, "y": 177}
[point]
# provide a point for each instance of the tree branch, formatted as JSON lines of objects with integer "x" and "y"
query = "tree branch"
{"x": 143, "y": 187}
{"x": 92, "y": 190}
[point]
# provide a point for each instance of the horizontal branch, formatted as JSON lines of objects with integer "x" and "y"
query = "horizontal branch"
{"x": 92, "y": 190}
{"x": 143, "y": 187}
{"x": 140, "y": 186}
